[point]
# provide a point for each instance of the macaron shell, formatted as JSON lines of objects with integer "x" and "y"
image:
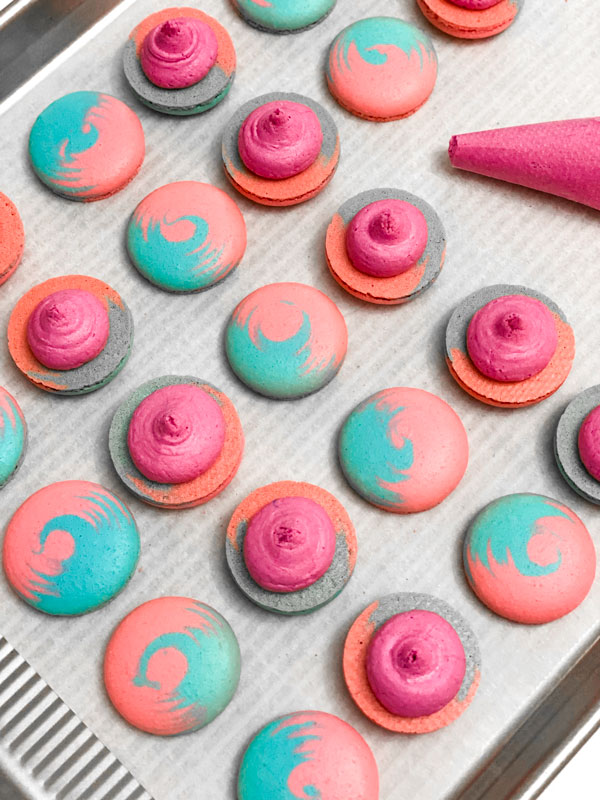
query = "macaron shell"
{"x": 529, "y": 558}
{"x": 70, "y": 548}
{"x": 181, "y": 495}
{"x": 13, "y": 436}
{"x": 12, "y": 238}
{"x": 199, "y": 97}
{"x": 385, "y": 291}
{"x": 566, "y": 447}
{"x": 186, "y": 236}
{"x": 172, "y": 665}
{"x": 500, "y": 393}
{"x": 308, "y": 753}
{"x": 283, "y": 16}
{"x": 95, "y": 373}
{"x": 104, "y": 151}
{"x": 287, "y": 191}
{"x": 381, "y": 68}
{"x": 467, "y": 23}
{"x": 355, "y": 660}
{"x": 323, "y": 590}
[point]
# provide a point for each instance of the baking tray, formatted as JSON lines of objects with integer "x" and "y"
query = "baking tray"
{"x": 540, "y": 688}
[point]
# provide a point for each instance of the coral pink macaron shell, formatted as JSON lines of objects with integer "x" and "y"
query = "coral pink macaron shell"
{"x": 12, "y": 238}
{"x": 469, "y": 23}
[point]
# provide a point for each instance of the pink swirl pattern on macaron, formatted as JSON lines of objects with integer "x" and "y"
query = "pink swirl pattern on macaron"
{"x": 415, "y": 663}
{"x": 289, "y": 544}
{"x": 68, "y": 328}
{"x": 280, "y": 139}
{"x": 179, "y": 52}
{"x": 512, "y": 338}
{"x": 176, "y": 434}
{"x": 475, "y": 5}
{"x": 588, "y": 442}
{"x": 386, "y": 238}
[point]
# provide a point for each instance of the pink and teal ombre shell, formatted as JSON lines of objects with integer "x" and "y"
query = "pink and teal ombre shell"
{"x": 86, "y": 145}
{"x": 186, "y": 236}
{"x": 381, "y": 68}
{"x": 70, "y": 548}
{"x": 308, "y": 754}
{"x": 529, "y": 558}
{"x": 13, "y": 436}
{"x": 286, "y": 340}
{"x": 172, "y": 665}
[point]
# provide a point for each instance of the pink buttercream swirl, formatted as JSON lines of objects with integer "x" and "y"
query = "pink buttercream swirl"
{"x": 588, "y": 442}
{"x": 289, "y": 544}
{"x": 415, "y": 663}
{"x": 68, "y": 328}
{"x": 512, "y": 338}
{"x": 386, "y": 238}
{"x": 179, "y": 52}
{"x": 476, "y": 5}
{"x": 176, "y": 434}
{"x": 280, "y": 139}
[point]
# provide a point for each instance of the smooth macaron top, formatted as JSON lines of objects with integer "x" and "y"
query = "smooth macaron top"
{"x": 12, "y": 238}
{"x": 283, "y": 16}
{"x": 13, "y": 436}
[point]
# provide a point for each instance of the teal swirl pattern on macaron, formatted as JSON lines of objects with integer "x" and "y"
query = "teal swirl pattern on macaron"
{"x": 13, "y": 436}
{"x": 70, "y": 548}
{"x": 283, "y": 16}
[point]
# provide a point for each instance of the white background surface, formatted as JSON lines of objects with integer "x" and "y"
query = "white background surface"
{"x": 545, "y": 67}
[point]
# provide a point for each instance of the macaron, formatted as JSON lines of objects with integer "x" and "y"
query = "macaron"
{"x": 509, "y": 346}
{"x": 403, "y": 450}
{"x": 70, "y": 335}
{"x": 280, "y": 149}
{"x": 179, "y": 61}
{"x": 381, "y": 68}
{"x": 385, "y": 246}
{"x": 308, "y": 754}
{"x": 171, "y": 666}
{"x": 186, "y": 236}
{"x": 577, "y": 444}
{"x": 86, "y": 146}
{"x": 471, "y": 19}
{"x": 286, "y": 340}
{"x": 70, "y": 548}
{"x": 529, "y": 558}
{"x": 283, "y": 16}
{"x": 13, "y": 436}
{"x": 411, "y": 663}
{"x": 176, "y": 441}
{"x": 291, "y": 547}
{"x": 12, "y": 238}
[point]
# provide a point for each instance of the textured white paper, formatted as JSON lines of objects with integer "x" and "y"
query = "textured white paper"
{"x": 545, "y": 67}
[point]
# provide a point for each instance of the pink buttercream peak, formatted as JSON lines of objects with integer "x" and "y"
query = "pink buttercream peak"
{"x": 179, "y": 52}
{"x": 589, "y": 443}
{"x": 476, "y": 5}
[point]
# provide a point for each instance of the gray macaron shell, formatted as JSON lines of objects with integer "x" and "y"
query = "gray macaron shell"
{"x": 456, "y": 332}
{"x": 194, "y": 99}
{"x": 302, "y": 601}
{"x": 436, "y": 235}
{"x": 566, "y": 448}
{"x": 402, "y": 602}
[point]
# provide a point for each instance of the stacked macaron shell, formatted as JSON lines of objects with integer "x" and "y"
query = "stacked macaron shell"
{"x": 404, "y": 450}
{"x": 70, "y": 548}
{"x": 509, "y": 346}
{"x": 70, "y": 335}
{"x": 411, "y": 663}
{"x": 577, "y": 444}
{"x": 172, "y": 665}
{"x": 13, "y": 436}
{"x": 12, "y": 238}
{"x": 291, "y": 547}
{"x": 471, "y": 19}
{"x": 283, "y": 16}
{"x": 176, "y": 442}
{"x": 308, "y": 754}
{"x": 86, "y": 146}
{"x": 385, "y": 246}
{"x": 529, "y": 558}
{"x": 180, "y": 61}
{"x": 381, "y": 68}
{"x": 186, "y": 236}
{"x": 280, "y": 149}
{"x": 286, "y": 340}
